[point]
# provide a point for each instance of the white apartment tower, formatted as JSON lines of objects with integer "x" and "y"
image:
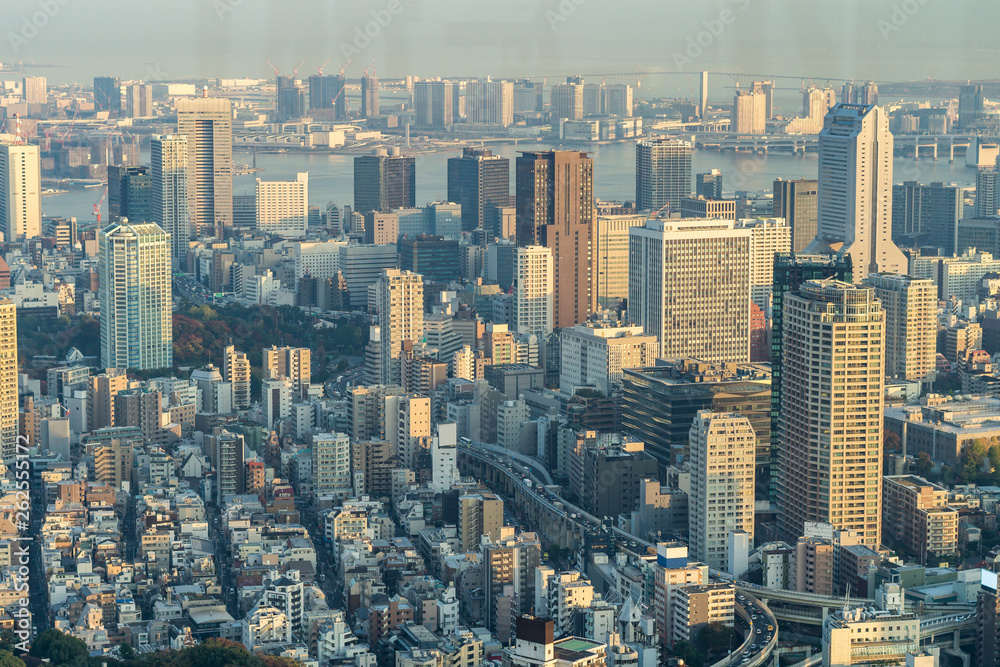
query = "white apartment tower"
{"x": 722, "y": 484}
{"x": 20, "y": 191}
{"x": 832, "y": 387}
{"x": 236, "y": 371}
{"x": 8, "y": 381}
{"x": 331, "y": 463}
{"x": 749, "y": 115}
{"x": 662, "y": 174}
{"x": 490, "y": 102}
{"x": 399, "y": 301}
{"x": 283, "y": 206}
{"x": 208, "y": 125}
{"x": 768, "y": 237}
{"x": 533, "y": 290}
{"x": 855, "y": 190}
{"x": 135, "y": 295}
{"x": 910, "y": 306}
{"x": 171, "y": 207}
{"x": 689, "y": 285}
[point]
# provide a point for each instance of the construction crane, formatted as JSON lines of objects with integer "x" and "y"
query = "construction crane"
{"x": 272, "y": 67}
{"x": 97, "y": 206}
{"x": 297, "y": 68}
{"x": 319, "y": 70}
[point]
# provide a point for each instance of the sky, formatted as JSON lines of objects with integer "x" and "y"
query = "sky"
{"x": 172, "y": 39}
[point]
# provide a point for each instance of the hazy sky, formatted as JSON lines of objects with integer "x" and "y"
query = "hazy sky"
{"x": 147, "y": 39}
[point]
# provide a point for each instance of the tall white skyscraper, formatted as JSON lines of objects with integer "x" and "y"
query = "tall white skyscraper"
{"x": 490, "y": 102}
{"x": 8, "y": 381}
{"x": 832, "y": 386}
{"x": 689, "y": 285}
{"x": 283, "y": 206}
{"x": 208, "y": 125}
{"x": 749, "y": 115}
{"x": 855, "y": 190}
{"x": 20, "y": 191}
{"x": 722, "y": 484}
{"x": 171, "y": 208}
{"x": 533, "y": 296}
{"x": 135, "y": 294}
{"x": 399, "y": 300}
{"x": 662, "y": 174}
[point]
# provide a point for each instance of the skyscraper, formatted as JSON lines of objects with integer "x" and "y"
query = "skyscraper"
{"x": 384, "y": 181}
{"x": 796, "y": 202}
{"x": 138, "y": 100}
{"x": 290, "y": 99}
{"x": 662, "y": 174}
{"x": 326, "y": 91}
{"x": 369, "y": 96}
{"x": 433, "y": 103}
{"x": 722, "y": 450}
{"x": 830, "y": 457}
{"x": 567, "y": 101}
{"x": 135, "y": 294}
{"x": 20, "y": 192}
{"x": 208, "y": 125}
{"x": 910, "y": 306}
{"x": 283, "y": 206}
{"x": 533, "y": 296}
{"x": 8, "y": 381}
{"x": 689, "y": 285}
{"x": 709, "y": 185}
{"x": 291, "y": 363}
{"x": 927, "y": 215}
{"x": 611, "y": 258}
{"x": 236, "y": 371}
{"x": 555, "y": 209}
{"x": 971, "y": 104}
{"x": 859, "y": 93}
{"x": 130, "y": 194}
{"x": 170, "y": 205}
{"x": 477, "y": 181}
{"x": 35, "y": 90}
{"x": 108, "y": 94}
{"x": 749, "y": 115}
{"x": 399, "y": 299}
{"x": 987, "y": 192}
{"x": 855, "y": 190}
{"x": 490, "y": 102}
{"x": 768, "y": 238}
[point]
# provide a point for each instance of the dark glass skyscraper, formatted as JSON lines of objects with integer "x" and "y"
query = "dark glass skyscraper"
{"x": 477, "y": 181}
{"x": 384, "y": 182}
{"x": 926, "y": 215}
{"x": 796, "y": 202}
{"x": 369, "y": 96}
{"x": 327, "y": 92}
{"x": 431, "y": 256}
{"x": 290, "y": 99}
{"x": 130, "y": 193}
{"x": 108, "y": 94}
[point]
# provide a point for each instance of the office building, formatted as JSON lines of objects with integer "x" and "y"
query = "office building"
{"x": 971, "y": 106}
{"x": 611, "y": 240}
{"x": 567, "y": 101}
{"x": 331, "y": 464}
{"x": 910, "y": 306}
{"x": 672, "y": 570}
{"x": 987, "y": 192}
{"x": 555, "y": 209}
{"x": 695, "y": 308}
{"x": 370, "y": 105}
{"x": 749, "y": 115}
{"x": 135, "y": 293}
{"x": 708, "y": 185}
{"x": 699, "y": 207}
{"x": 130, "y": 194}
{"x": 20, "y": 191}
{"x": 855, "y": 190}
{"x": 988, "y": 627}
{"x": 291, "y": 363}
{"x": 595, "y": 354}
{"x": 796, "y": 202}
{"x": 431, "y": 256}
{"x": 509, "y": 579}
{"x": 8, "y": 381}
{"x": 927, "y": 215}
{"x": 236, "y": 371}
{"x": 479, "y": 514}
{"x": 697, "y": 606}
{"x": 533, "y": 291}
{"x": 830, "y": 473}
{"x": 207, "y": 123}
{"x": 915, "y": 513}
{"x": 769, "y": 237}
{"x": 489, "y": 103}
{"x": 108, "y": 95}
{"x": 289, "y": 99}
{"x": 853, "y": 636}
{"x": 399, "y": 301}
{"x": 611, "y": 477}
{"x": 478, "y": 181}
{"x": 433, "y": 103}
{"x": 328, "y": 92}
{"x": 283, "y": 206}
{"x": 859, "y": 93}
{"x": 722, "y": 449}
{"x": 139, "y": 100}
{"x": 384, "y": 181}
{"x": 35, "y": 90}
{"x": 662, "y": 174}
{"x": 362, "y": 265}
{"x": 170, "y": 205}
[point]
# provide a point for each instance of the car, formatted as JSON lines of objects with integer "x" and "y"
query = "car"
{"x": 753, "y": 647}
{"x": 759, "y": 631}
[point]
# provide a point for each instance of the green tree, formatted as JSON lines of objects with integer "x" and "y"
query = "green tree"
{"x": 126, "y": 650}
{"x": 924, "y": 464}
{"x": 687, "y": 652}
{"x": 59, "y": 648}
{"x": 8, "y": 659}
{"x": 715, "y": 638}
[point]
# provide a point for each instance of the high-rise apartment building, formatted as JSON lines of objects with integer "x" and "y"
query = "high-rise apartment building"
{"x": 35, "y": 90}
{"x": 384, "y": 181}
{"x": 370, "y": 105}
{"x": 555, "y": 209}
{"x": 859, "y": 93}
{"x": 855, "y": 190}
{"x": 399, "y": 300}
{"x": 207, "y": 123}
{"x": 226, "y": 451}
{"x": 20, "y": 191}
{"x": 833, "y": 375}
{"x": 136, "y": 296}
{"x": 796, "y": 202}
{"x": 509, "y": 572}
{"x": 768, "y": 237}
{"x": 327, "y": 92}
{"x": 987, "y": 192}
{"x": 292, "y": 363}
{"x": 138, "y": 100}
{"x": 283, "y": 206}
{"x": 8, "y": 381}
{"x": 108, "y": 94}
{"x": 479, "y": 514}
{"x": 611, "y": 240}
{"x": 489, "y": 102}
{"x": 434, "y": 103}
{"x": 916, "y": 513}
{"x": 331, "y": 464}
{"x": 407, "y": 425}
{"x": 236, "y": 371}
{"x": 927, "y": 215}
{"x": 567, "y": 101}
{"x": 170, "y": 206}
{"x": 478, "y": 181}
{"x": 672, "y": 571}
{"x": 662, "y": 174}
{"x": 533, "y": 290}
{"x": 749, "y": 115}
{"x": 910, "y": 306}
{"x": 689, "y": 285}
{"x": 130, "y": 194}
{"x": 722, "y": 450}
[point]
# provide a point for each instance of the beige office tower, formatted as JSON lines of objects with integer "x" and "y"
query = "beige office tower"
{"x": 236, "y": 370}
{"x": 8, "y": 381}
{"x": 283, "y": 206}
{"x": 689, "y": 285}
{"x": 721, "y": 500}
{"x": 293, "y": 363}
{"x": 830, "y": 460}
{"x": 20, "y": 191}
{"x": 768, "y": 237}
{"x": 855, "y": 191}
{"x": 611, "y": 258}
{"x": 208, "y": 125}
{"x": 910, "y": 306}
{"x": 399, "y": 301}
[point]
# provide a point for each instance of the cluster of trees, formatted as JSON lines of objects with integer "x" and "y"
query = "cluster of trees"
{"x": 714, "y": 641}
{"x": 39, "y": 336}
